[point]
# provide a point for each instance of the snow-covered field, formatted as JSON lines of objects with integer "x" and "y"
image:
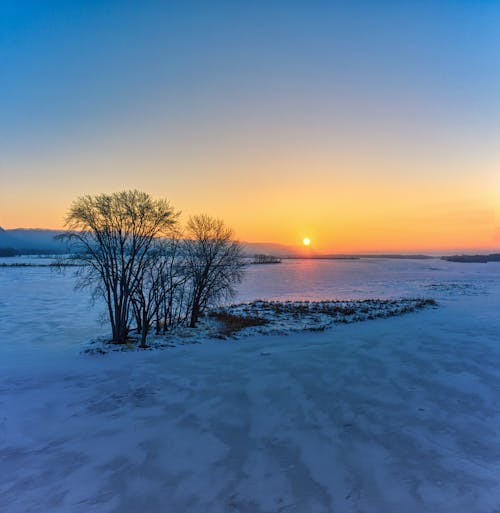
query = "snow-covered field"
{"x": 384, "y": 416}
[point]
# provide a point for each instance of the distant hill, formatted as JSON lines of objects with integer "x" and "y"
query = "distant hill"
{"x": 31, "y": 241}
{"x": 39, "y": 241}
{"x": 5, "y": 240}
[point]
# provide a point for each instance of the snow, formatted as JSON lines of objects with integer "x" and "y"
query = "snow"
{"x": 266, "y": 318}
{"x": 389, "y": 415}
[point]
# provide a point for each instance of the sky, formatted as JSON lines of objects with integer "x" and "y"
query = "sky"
{"x": 365, "y": 126}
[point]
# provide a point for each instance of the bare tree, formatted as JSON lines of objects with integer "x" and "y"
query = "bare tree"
{"x": 158, "y": 297}
{"x": 114, "y": 234}
{"x": 148, "y": 294}
{"x": 214, "y": 263}
{"x": 172, "y": 309}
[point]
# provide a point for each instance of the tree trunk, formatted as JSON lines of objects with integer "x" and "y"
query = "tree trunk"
{"x": 144, "y": 335}
{"x": 119, "y": 332}
{"x": 122, "y": 334}
{"x": 195, "y": 313}
{"x": 138, "y": 322}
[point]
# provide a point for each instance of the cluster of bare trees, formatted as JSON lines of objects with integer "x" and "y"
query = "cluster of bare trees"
{"x": 149, "y": 272}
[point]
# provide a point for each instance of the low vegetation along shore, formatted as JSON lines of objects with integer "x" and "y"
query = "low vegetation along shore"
{"x": 270, "y": 318}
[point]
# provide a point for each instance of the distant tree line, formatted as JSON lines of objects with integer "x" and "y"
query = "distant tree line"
{"x": 150, "y": 273}
{"x": 266, "y": 259}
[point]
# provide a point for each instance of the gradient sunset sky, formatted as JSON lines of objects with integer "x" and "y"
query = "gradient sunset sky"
{"x": 366, "y": 126}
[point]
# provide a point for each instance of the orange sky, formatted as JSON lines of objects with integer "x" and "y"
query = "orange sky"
{"x": 283, "y": 198}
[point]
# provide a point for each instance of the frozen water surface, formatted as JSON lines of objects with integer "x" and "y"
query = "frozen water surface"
{"x": 361, "y": 279}
{"x": 389, "y": 415}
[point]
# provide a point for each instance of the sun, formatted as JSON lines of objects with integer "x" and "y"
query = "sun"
{"x": 306, "y": 241}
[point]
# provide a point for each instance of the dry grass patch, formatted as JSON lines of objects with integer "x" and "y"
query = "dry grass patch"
{"x": 232, "y": 323}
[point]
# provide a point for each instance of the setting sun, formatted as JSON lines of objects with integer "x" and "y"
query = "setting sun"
{"x": 306, "y": 241}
